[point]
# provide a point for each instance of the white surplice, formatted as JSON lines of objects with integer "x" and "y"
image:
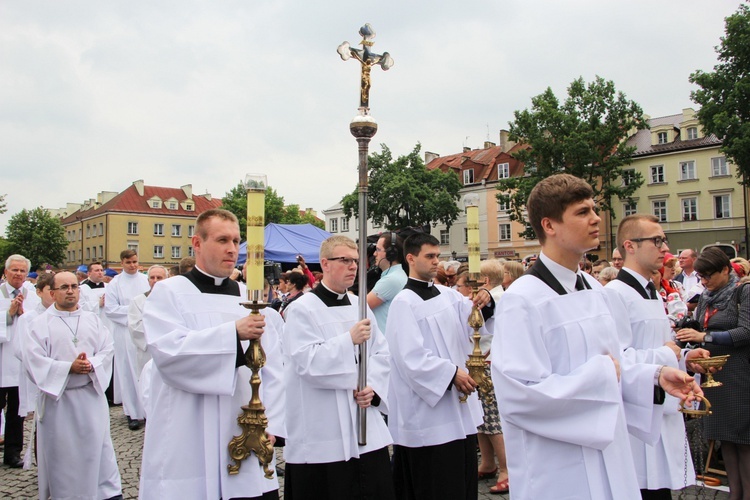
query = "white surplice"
{"x": 74, "y": 448}
{"x": 10, "y": 366}
{"x": 27, "y": 390}
{"x": 428, "y": 340}
{"x": 659, "y": 464}
{"x": 561, "y": 405}
{"x": 321, "y": 371}
{"x": 137, "y": 334}
{"x": 196, "y": 393}
{"x": 118, "y": 294}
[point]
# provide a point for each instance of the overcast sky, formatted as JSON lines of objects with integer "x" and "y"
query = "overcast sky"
{"x": 95, "y": 95}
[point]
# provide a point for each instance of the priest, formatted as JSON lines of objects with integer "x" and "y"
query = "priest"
{"x": 564, "y": 387}
{"x": 321, "y": 339}
{"x": 117, "y": 296}
{"x": 69, "y": 355}
{"x": 197, "y": 333}
{"x": 662, "y": 464}
{"x": 434, "y": 432}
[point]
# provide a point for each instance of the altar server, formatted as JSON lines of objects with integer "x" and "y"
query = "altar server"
{"x": 556, "y": 364}
{"x": 118, "y": 294}
{"x": 321, "y": 339}
{"x": 197, "y": 333}
{"x": 434, "y": 433}
{"x": 69, "y": 355}
{"x": 665, "y": 464}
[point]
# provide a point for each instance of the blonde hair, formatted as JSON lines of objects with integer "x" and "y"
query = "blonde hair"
{"x": 326, "y": 248}
{"x": 493, "y": 269}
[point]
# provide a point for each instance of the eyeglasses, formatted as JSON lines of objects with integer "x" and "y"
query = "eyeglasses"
{"x": 65, "y": 288}
{"x": 706, "y": 276}
{"x": 657, "y": 240}
{"x": 344, "y": 260}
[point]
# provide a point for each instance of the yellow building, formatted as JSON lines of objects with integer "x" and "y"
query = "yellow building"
{"x": 688, "y": 185}
{"x": 157, "y": 222}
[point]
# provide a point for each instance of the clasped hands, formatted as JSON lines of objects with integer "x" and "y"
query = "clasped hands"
{"x": 81, "y": 365}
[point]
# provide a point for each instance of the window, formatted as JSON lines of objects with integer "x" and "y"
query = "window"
{"x": 687, "y": 170}
{"x": 689, "y": 209}
{"x": 191, "y": 253}
{"x": 628, "y": 176}
{"x": 659, "y": 209}
{"x": 189, "y": 207}
{"x": 132, "y": 228}
{"x": 88, "y": 231}
{"x": 504, "y": 232}
{"x": 719, "y": 166}
{"x": 101, "y": 229}
{"x": 469, "y": 176}
{"x": 529, "y": 232}
{"x": 88, "y": 253}
{"x": 630, "y": 208}
{"x": 445, "y": 238}
{"x": 80, "y": 235}
{"x": 176, "y": 252}
{"x": 503, "y": 170}
{"x": 155, "y": 203}
{"x": 133, "y": 245}
{"x": 173, "y": 205}
{"x": 334, "y": 225}
{"x": 93, "y": 252}
{"x": 657, "y": 174}
{"x": 101, "y": 251}
{"x": 466, "y": 235}
{"x": 692, "y": 133}
{"x": 662, "y": 137}
{"x": 176, "y": 230}
{"x": 158, "y": 229}
{"x": 377, "y": 224}
{"x": 93, "y": 230}
{"x": 344, "y": 225}
{"x": 158, "y": 251}
{"x": 191, "y": 231}
{"x": 722, "y": 206}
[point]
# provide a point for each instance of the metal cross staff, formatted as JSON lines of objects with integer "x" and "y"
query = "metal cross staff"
{"x": 363, "y": 127}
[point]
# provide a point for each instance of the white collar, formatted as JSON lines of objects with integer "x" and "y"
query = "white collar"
{"x": 565, "y": 276}
{"x": 217, "y": 281}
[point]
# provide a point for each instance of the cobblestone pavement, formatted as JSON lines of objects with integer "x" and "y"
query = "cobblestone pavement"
{"x": 22, "y": 484}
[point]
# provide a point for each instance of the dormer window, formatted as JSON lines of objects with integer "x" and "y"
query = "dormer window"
{"x": 692, "y": 133}
{"x": 503, "y": 170}
{"x": 172, "y": 205}
{"x": 189, "y": 207}
{"x": 662, "y": 137}
{"x": 156, "y": 203}
{"x": 469, "y": 176}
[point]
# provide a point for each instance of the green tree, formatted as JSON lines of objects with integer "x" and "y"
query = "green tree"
{"x": 309, "y": 218}
{"x": 38, "y": 236}
{"x": 585, "y": 136}
{"x": 3, "y": 205}
{"x": 404, "y": 193}
{"x": 724, "y": 94}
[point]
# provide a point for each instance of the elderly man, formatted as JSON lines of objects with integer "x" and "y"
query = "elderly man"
{"x": 450, "y": 267}
{"x": 323, "y": 457}
{"x": 691, "y": 282}
{"x": 120, "y": 291}
{"x": 16, "y": 296}
{"x": 617, "y": 260}
{"x": 69, "y": 355}
{"x": 197, "y": 333}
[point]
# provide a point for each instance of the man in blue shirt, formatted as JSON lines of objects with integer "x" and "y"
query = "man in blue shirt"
{"x": 388, "y": 257}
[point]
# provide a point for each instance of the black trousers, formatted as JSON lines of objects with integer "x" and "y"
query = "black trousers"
{"x": 13, "y": 423}
{"x": 662, "y": 494}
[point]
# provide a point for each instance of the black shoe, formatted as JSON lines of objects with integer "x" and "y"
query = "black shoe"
{"x": 279, "y": 471}
{"x": 134, "y": 425}
{"x": 14, "y": 462}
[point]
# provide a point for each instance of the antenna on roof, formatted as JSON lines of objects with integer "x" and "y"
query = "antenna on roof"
{"x": 466, "y": 140}
{"x": 488, "y": 131}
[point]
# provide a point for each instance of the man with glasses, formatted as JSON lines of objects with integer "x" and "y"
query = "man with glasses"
{"x": 434, "y": 408}
{"x": 16, "y": 296}
{"x": 68, "y": 353}
{"x": 660, "y": 460}
{"x": 691, "y": 282}
{"x": 617, "y": 259}
{"x": 321, "y": 339}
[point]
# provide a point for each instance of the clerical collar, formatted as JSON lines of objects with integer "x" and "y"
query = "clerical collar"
{"x": 329, "y": 297}
{"x": 217, "y": 281}
{"x": 565, "y": 276}
{"x": 424, "y": 289}
{"x": 207, "y": 284}
{"x": 91, "y": 284}
{"x": 643, "y": 281}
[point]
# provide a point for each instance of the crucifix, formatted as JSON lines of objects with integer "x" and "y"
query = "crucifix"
{"x": 368, "y": 59}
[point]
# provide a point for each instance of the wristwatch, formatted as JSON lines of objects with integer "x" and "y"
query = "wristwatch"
{"x": 707, "y": 338}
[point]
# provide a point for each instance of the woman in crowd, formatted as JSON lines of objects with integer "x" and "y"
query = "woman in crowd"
{"x": 607, "y": 274}
{"x": 296, "y": 283}
{"x": 724, "y": 313}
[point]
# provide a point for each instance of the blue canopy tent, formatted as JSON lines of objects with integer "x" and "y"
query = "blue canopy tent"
{"x": 285, "y": 241}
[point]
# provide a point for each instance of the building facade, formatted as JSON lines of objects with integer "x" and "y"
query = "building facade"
{"x": 157, "y": 222}
{"x": 688, "y": 185}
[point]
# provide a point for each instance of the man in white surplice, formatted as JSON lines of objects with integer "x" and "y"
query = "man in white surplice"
{"x": 68, "y": 353}
{"x": 556, "y": 365}
{"x": 663, "y": 465}
{"x": 155, "y": 274}
{"x": 321, "y": 344}
{"x": 118, "y": 294}
{"x": 197, "y": 333}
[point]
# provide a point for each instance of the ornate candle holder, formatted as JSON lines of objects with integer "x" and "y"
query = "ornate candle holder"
{"x": 476, "y": 362}
{"x": 708, "y": 363}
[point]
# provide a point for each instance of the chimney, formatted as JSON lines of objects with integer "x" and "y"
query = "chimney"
{"x": 188, "y": 190}
{"x": 207, "y": 196}
{"x": 429, "y": 156}
{"x": 488, "y": 144}
{"x": 504, "y": 140}
{"x": 139, "y": 186}
{"x": 467, "y": 149}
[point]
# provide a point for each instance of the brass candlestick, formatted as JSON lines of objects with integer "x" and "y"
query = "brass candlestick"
{"x": 707, "y": 364}
{"x": 476, "y": 362}
{"x": 253, "y": 420}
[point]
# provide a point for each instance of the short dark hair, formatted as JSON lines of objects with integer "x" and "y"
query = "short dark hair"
{"x": 711, "y": 260}
{"x": 552, "y": 196}
{"x": 414, "y": 243}
{"x": 203, "y": 218}
{"x": 186, "y": 265}
{"x": 45, "y": 279}
{"x": 299, "y": 280}
{"x": 96, "y": 263}
{"x": 629, "y": 228}
{"x": 126, "y": 254}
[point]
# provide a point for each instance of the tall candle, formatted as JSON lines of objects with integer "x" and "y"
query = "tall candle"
{"x": 256, "y": 194}
{"x": 472, "y": 227}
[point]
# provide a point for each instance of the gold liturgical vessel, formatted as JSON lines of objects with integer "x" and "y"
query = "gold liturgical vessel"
{"x": 707, "y": 363}
{"x": 253, "y": 420}
{"x": 476, "y": 362}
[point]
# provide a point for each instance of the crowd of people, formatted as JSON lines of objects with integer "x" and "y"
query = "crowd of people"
{"x": 590, "y": 362}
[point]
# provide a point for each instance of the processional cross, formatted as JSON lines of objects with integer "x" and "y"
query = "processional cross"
{"x": 368, "y": 59}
